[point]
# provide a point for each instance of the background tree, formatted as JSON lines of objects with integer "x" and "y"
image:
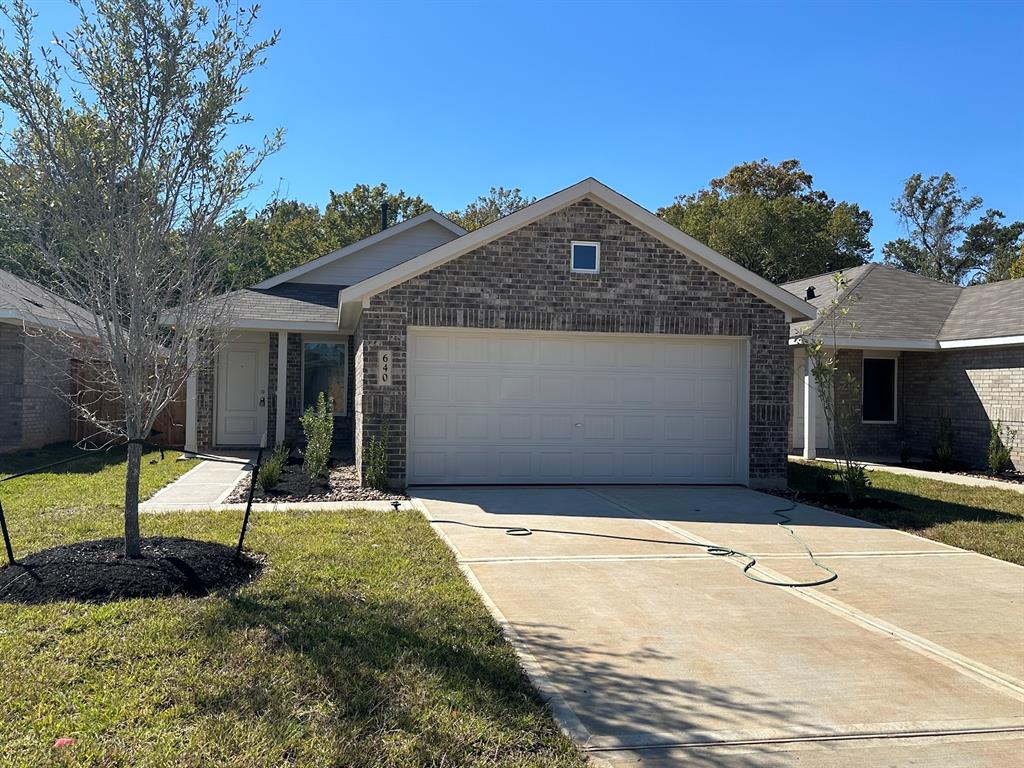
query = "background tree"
{"x": 994, "y": 246}
{"x": 353, "y": 215}
{"x": 940, "y": 243}
{"x": 122, "y": 130}
{"x": 490, "y": 207}
{"x": 770, "y": 219}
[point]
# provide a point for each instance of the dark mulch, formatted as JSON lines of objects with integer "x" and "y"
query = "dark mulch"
{"x": 837, "y": 500}
{"x": 98, "y": 572}
{"x": 341, "y": 485}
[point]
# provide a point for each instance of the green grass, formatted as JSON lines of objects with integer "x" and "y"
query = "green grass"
{"x": 986, "y": 520}
{"x": 361, "y": 644}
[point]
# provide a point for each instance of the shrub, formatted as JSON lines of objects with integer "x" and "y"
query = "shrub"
{"x": 318, "y": 425}
{"x": 904, "y": 454}
{"x": 999, "y": 443}
{"x": 272, "y": 469}
{"x": 375, "y": 462}
{"x": 943, "y": 448}
{"x": 855, "y": 480}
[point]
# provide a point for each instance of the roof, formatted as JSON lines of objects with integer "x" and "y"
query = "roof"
{"x": 898, "y": 309}
{"x": 299, "y": 306}
{"x": 366, "y": 242}
{"x": 25, "y": 302}
{"x": 352, "y": 298}
{"x": 990, "y": 310}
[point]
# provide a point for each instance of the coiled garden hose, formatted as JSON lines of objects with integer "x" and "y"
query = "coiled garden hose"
{"x": 711, "y": 549}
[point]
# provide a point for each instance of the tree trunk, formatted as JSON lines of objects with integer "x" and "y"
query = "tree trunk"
{"x": 132, "y": 547}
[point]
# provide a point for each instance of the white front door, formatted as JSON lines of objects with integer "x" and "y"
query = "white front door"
{"x": 514, "y": 407}
{"x": 241, "y": 393}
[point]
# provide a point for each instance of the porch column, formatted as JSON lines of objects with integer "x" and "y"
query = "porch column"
{"x": 191, "y": 402}
{"x": 282, "y": 383}
{"x": 810, "y": 410}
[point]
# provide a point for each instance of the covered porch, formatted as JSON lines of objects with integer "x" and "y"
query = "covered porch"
{"x": 283, "y": 349}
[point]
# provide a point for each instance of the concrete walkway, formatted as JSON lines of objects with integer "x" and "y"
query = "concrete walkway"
{"x": 652, "y": 651}
{"x": 206, "y": 485}
{"x": 942, "y": 477}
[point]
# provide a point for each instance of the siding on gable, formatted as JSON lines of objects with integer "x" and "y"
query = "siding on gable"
{"x": 379, "y": 257}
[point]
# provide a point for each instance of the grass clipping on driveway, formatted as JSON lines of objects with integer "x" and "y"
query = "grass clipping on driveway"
{"x": 360, "y": 644}
{"x": 986, "y": 520}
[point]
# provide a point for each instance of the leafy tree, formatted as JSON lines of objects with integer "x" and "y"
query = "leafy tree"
{"x": 495, "y": 204}
{"x": 295, "y": 233}
{"x": 770, "y": 219}
{"x": 934, "y": 212}
{"x": 240, "y": 244}
{"x": 1016, "y": 270}
{"x": 994, "y": 246}
{"x": 353, "y": 215}
{"x": 122, "y": 126}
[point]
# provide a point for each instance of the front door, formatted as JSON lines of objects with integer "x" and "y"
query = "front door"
{"x": 241, "y": 393}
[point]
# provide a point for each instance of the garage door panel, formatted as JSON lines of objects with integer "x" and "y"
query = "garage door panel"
{"x": 504, "y": 406}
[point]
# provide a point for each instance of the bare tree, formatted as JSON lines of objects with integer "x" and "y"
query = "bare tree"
{"x": 120, "y": 166}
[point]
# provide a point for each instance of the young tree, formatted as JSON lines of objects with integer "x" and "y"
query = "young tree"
{"x": 770, "y": 219}
{"x": 122, "y": 130}
{"x": 837, "y": 387}
{"x": 490, "y": 207}
{"x": 934, "y": 212}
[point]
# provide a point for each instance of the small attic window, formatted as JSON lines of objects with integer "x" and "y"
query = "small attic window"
{"x": 585, "y": 257}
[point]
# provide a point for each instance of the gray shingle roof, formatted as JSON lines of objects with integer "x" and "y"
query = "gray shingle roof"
{"x": 986, "y": 311}
{"x": 34, "y": 305}
{"x": 894, "y": 304}
{"x": 290, "y": 302}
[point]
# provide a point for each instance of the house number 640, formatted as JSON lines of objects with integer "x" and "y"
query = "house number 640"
{"x": 384, "y": 367}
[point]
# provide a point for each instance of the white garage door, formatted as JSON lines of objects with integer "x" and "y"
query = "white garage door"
{"x": 511, "y": 407}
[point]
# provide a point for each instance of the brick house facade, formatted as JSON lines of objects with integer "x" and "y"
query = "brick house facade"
{"x": 522, "y": 281}
{"x": 33, "y": 412}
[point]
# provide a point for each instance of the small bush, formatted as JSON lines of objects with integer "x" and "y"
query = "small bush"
{"x": 855, "y": 480}
{"x": 1000, "y": 441}
{"x": 272, "y": 469}
{"x": 375, "y": 463}
{"x": 942, "y": 451}
{"x": 318, "y": 425}
{"x": 904, "y": 454}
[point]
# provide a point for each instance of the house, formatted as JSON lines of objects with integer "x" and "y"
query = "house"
{"x": 33, "y": 373}
{"x": 921, "y": 351}
{"x": 580, "y": 339}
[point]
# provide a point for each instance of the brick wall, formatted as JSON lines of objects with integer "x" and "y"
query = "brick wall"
{"x": 969, "y": 386}
{"x": 871, "y": 441}
{"x": 522, "y": 281}
{"x": 33, "y": 374}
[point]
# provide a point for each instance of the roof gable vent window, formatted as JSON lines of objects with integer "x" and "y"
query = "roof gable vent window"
{"x": 585, "y": 257}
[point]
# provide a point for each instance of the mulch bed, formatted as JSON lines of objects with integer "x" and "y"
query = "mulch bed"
{"x": 97, "y": 571}
{"x": 836, "y": 501}
{"x": 295, "y": 486}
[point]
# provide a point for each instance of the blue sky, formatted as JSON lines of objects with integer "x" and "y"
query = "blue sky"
{"x": 447, "y": 99}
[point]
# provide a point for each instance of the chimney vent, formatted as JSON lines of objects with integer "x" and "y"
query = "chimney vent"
{"x": 810, "y": 292}
{"x": 383, "y": 216}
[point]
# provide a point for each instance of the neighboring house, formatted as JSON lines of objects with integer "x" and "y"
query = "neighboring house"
{"x": 579, "y": 340}
{"x": 33, "y": 413}
{"x": 921, "y": 351}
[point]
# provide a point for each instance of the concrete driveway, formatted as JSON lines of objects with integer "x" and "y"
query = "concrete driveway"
{"x": 653, "y": 652}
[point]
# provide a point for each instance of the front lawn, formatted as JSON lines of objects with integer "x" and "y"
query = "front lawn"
{"x": 361, "y": 644}
{"x": 986, "y": 520}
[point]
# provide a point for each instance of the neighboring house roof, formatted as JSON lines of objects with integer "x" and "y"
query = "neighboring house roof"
{"x": 352, "y": 298}
{"x": 992, "y": 310}
{"x": 292, "y": 306}
{"x": 26, "y": 303}
{"x": 896, "y": 309}
{"x": 402, "y": 231}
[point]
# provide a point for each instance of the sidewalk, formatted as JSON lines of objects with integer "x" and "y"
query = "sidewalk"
{"x": 204, "y": 485}
{"x": 207, "y": 485}
{"x": 942, "y": 477}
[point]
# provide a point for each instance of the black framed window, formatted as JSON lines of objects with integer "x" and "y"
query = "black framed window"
{"x": 879, "y": 389}
{"x": 325, "y": 369}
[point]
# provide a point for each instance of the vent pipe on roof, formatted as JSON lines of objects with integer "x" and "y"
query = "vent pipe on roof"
{"x": 810, "y": 292}
{"x": 383, "y": 216}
